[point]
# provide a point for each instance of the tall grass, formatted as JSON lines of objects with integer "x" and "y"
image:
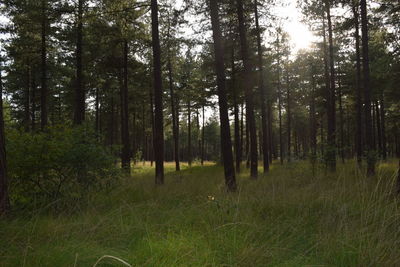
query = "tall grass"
{"x": 289, "y": 217}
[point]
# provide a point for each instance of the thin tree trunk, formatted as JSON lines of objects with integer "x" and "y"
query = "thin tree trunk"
{"x": 226, "y": 142}
{"x": 358, "y": 138}
{"x": 202, "y": 135}
{"x": 152, "y": 150}
{"x": 33, "y": 101}
{"x": 261, "y": 87}
{"x": 158, "y": 95}
{"x": 173, "y": 110}
{"x": 331, "y": 98}
{"x": 313, "y": 121}
{"x": 289, "y": 117}
{"x": 126, "y": 150}
{"x": 383, "y": 122}
{"x": 238, "y": 156}
{"x": 378, "y": 127}
{"x": 248, "y": 91}
{"x": 79, "y": 115}
{"x": 27, "y": 112}
{"x": 279, "y": 102}
{"x": 4, "y": 198}
{"x": 341, "y": 125}
{"x": 44, "y": 90}
{"x": 189, "y": 121}
{"x": 367, "y": 90}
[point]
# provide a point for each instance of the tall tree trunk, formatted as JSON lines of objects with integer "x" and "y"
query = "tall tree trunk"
{"x": 79, "y": 115}
{"x": 331, "y": 97}
{"x": 44, "y": 90}
{"x": 313, "y": 121}
{"x": 33, "y": 100}
{"x": 4, "y": 198}
{"x": 341, "y": 124}
{"x": 261, "y": 87}
{"x": 174, "y": 117}
{"x": 359, "y": 148}
{"x": 158, "y": 94}
{"x": 126, "y": 150}
{"x": 202, "y": 134}
{"x": 152, "y": 150}
{"x": 27, "y": 111}
{"x": 97, "y": 112}
{"x": 248, "y": 91}
{"x": 279, "y": 102}
{"x": 238, "y": 156}
{"x": 189, "y": 121}
{"x": 226, "y": 142}
{"x": 289, "y": 117}
{"x": 367, "y": 90}
{"x": 378, "y": 127}
{"x": 383, "y": 122}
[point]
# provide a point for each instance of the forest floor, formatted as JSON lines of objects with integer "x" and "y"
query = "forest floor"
{"x": 286, "y": 218}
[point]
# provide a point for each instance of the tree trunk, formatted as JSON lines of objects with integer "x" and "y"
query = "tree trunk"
{"x": 226, "y": 142}
{"x": 248, "y": 91}
{"x": 33, "y": 101}
{"x": 289, "y": 117}
{"x": 313, "y": 121}
{"x": 383, "y": 123}
{"x": 359, "y": 148}
{"x": 79, "y": 115}
{"x": 331, "y": 98}
{"x": 367, "y": 90}
{"x": 158, "y": 94}
{"x": 341, "y": 124}
{"x": 44, "y": 90}
{"x": 126, "y": 150}
{"x": 173, "y": 110}
{"x": 238, "y": 156}
{"x": 202, "y": 135}
{"x": 27, "y": 111}
{"x": 189, "y": 121}
{"x": 279, "y": 102}
{"x": 262, "y": 89}
{"x": 4, "y": 198}
{"x": 378, "y": 127}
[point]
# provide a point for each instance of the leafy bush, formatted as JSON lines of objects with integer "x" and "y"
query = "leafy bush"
{"x": 59, "y": 163}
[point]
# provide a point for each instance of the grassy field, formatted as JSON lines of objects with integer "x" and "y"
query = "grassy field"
{"x": 286, "y": 218}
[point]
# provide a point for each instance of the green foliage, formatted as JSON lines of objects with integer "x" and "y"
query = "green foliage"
{"x": 61, "y": 163}
{"x": 286, "y": 218}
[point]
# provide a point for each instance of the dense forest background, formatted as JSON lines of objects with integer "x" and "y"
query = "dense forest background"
{"x": 89, "y": 81}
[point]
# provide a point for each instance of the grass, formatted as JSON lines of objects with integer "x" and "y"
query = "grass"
{"x": 287, "y": 218}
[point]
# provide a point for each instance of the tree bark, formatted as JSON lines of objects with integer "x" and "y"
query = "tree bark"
{"x": 173, "y": 110}
{"x": 202, "y": 134}
{"x": 44, "y": 90}
{"x": 263, "y": 95}
{"x": 383, "y": 122}
{"x": 331, "y": 97}
{"x": 189, "y": 121}
{"x": 359, "y": 104}
{"x": 4, "y": 198}
{"x": 158, "y": 95}
{"x": 279, "y": 101}
{"x": 226, "y": 142}
{"x": 248, "y": 91}
{"x": 126, "y": 150}
{"x": 289, "y": 117}
{"x": 238, "y": 156}
{"x": 79, "y": 115}
{"x": 341, "y": 124}
{"x": 367, "y": 90}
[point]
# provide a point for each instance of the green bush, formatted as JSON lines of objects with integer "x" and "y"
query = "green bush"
{"x": 60, "y": 163}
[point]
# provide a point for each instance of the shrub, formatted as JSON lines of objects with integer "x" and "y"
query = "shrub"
{"x": 61, "y": 162}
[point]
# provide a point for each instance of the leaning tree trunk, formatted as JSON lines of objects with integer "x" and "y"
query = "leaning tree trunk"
{"x": 79, "y": 115}
{"x": 367, "y": 91}
{"x": 261, "y": 87}
{"x": 4, "y": 199}
{"x": 331, "y": 156}
{"x": 44, "y": 90}
{"x": 158, "y": 94}
{"x": 248, "y": 91}
{"x": 226, "y": 142}
{"x": 126, "y": 152}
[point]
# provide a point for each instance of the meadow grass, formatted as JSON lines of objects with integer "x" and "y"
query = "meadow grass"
{"x": 288, "y": 217}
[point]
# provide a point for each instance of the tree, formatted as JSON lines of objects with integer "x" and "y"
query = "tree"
{"x": 158, "y": 96}
{"x": 367, "y": 90}
{"x": 226, "y": 142}
{"x": 79, "y": 113}
{"x": 249, "y": 94}
{"x": 4, "y": 199}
